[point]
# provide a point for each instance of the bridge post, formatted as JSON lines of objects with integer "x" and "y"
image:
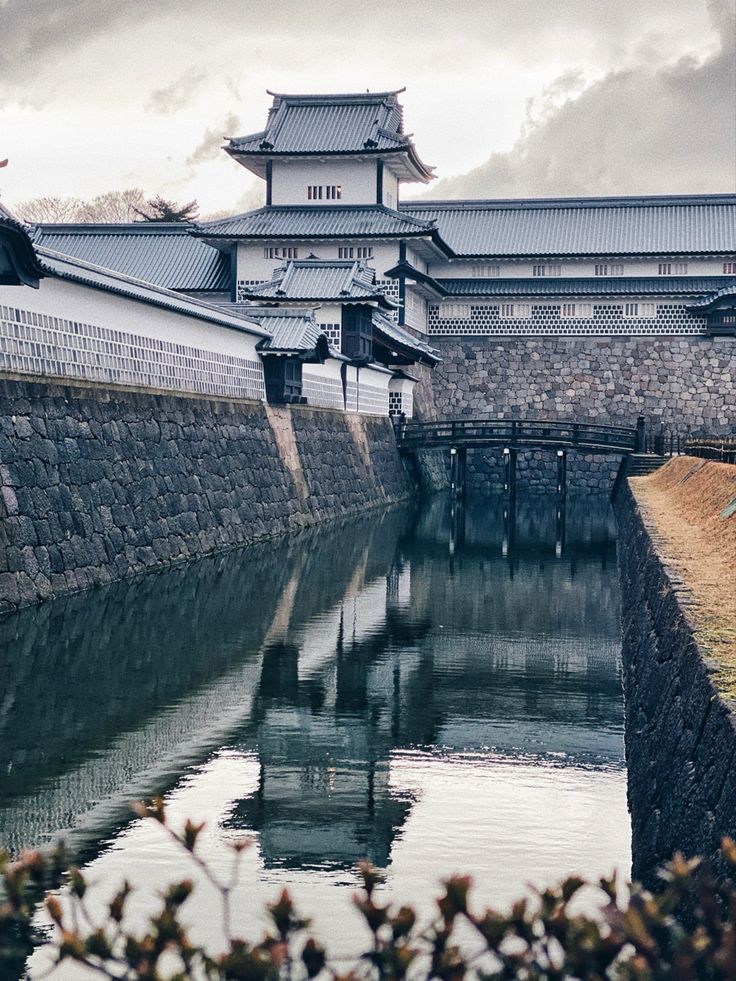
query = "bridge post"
{"x": 509, "y": 459}
{"x": 562, "y": 472}
{"x": 458, "y": 464}
{"x": 641, "y": 435}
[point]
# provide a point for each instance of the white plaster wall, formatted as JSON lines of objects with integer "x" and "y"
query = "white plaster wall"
{"x": 75, "y": 301}
{"x": 322, "y": 384}
{"x": 290, "y": 179}
{"x": 390, "y": 189}
{"x": 252, "y": 266}
{"x": 509, "y": 269}
{"x": 70, "y": 330}
{"x": 415, "y": 310}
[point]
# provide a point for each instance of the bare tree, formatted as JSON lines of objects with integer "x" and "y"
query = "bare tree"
{"x": 49, "y": 208}
{"x": 113, "y": 206}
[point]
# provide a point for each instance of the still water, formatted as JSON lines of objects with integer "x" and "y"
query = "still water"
{"x": 438, "y": 690}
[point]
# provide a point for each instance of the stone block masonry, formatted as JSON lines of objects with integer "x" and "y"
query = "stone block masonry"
{"x": 99, "y": 484}
{"x": 680, "y": 734}
{"x": 680, "y": 381}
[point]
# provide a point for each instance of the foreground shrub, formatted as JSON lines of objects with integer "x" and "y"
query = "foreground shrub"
{"x": 685, "y": 930}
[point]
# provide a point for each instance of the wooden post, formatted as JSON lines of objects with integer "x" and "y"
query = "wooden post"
{"x": 453, "y": 472}
{"x": 641, "y": 435}
{"x": 509, "y": 456}
{"x": 562, "y": 472}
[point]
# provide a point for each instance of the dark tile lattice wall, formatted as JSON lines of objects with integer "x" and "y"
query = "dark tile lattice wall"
{"x": 39, "y": 344}
{"x": 607, "y": 319}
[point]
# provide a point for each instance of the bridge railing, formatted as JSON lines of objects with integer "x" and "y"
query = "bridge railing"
{"x": 516, "y": 432}
{"x": 722, "y": 448}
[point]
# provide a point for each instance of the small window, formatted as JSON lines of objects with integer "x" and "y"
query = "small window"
{"x": 484, "y": 272}
{"x": 547, "y": 270}
{"x": 609, "y": 269}
{"x": 365, "y": 251}
{"x": 455, "y": 311}
{"x": 327, "y": 192}
{"x": 578, "y": 311}
{"x": 640, "y": 310}
{"x": 515, "y": 311}
{"x": 345, "y": 252}
{"x": 729, "y": 268}
{"x": 280, "y": 252}
{"x": 672, "y": 269}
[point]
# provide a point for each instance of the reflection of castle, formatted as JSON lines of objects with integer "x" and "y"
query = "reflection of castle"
{"x": 419, "y": 658}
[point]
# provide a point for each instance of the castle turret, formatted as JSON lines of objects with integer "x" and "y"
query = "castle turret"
{"x": 332, "y": 149}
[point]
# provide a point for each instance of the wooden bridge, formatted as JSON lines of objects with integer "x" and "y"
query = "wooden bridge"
{"x": 460, "y": 435}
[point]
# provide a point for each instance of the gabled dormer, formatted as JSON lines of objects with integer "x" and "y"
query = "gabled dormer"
{"x": 332, "y": 150}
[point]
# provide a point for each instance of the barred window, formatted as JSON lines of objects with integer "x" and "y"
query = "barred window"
{"x": 484, "y": 271}
{"x": 364, "y": 252}
{"x": 547, "y": 270}
{"x": 609, "y": 269}
{"x": 730, "y": 268}
{"x": 581, "y": 311}
{"x": 326, "y": 192}
{"x": 515, "y": 311}
{"x": 345, "y": 252}
{"x": 672, "y": 269}
{"x": 280, "y": 252}
{"x": 455, "y": 311}
{"x": 640, "y": 310}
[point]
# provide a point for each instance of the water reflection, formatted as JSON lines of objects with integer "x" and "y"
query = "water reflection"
{"x": 361, "y": 676}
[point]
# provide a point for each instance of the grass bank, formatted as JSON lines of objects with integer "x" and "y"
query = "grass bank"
{"x": 692, "y": 503}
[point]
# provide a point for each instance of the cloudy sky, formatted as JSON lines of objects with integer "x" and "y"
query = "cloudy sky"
{"x": 505, "y": 97}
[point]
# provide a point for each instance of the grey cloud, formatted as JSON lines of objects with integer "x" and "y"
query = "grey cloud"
{"x": 672, "y": 130}
{"x": 209, "y": 148}
{"x": 178, "y": 94}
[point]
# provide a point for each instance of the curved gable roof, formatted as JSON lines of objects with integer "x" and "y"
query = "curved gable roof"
{"x": 682, "y": 225}
{"x": 162, "y": 253}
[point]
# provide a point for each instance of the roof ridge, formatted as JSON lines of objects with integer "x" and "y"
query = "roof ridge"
{"x": 665, "y": 200}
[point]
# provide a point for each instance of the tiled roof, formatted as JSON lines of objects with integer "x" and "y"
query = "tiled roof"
{"x": 330, "y": 221}
{"x": 68, "y": 267}
{"x": 589, "y": 286}
{"x": 290, "y": 330}
{"x": 360, "y": 123}
{"x": 398, "y": 335}
{"x": 164, "y": 254}
{"x": 314, "y": 279}
{"x": 727, "y": 291}
{"x": 18, "y": 260}
{"x": 585, "y": 226}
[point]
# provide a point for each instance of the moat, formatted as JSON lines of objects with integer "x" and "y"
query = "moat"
{"x": 437, "y": 690}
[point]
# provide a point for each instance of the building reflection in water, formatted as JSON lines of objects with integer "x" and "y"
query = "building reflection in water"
{"x": 450, "y": 630}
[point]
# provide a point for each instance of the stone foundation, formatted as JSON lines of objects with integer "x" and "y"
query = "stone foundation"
{"x": 99, "y": 484}
{"x": 680, "y": 735}
{"x": 681, "y": 382}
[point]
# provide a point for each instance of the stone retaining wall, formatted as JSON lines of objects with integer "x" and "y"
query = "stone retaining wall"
{"x": 101, "y": 484}
{"x": 680, "y": 736}
{"x": 536, "y": 471}
{"x": 678, "y": 381}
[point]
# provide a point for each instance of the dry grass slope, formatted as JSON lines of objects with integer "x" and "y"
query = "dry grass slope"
{"x": 686, "y": 500}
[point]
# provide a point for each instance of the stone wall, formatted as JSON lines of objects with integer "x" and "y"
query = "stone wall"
{"x": 99, "y": 484}
{"x": 536, "y": 471}
{"x": 675, "y": 380}
{"x": 680, "y": 736}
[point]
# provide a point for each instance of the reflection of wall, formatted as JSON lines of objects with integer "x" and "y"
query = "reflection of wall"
{"x": 122, "y": 687}
{"x": 425, "y": 654}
